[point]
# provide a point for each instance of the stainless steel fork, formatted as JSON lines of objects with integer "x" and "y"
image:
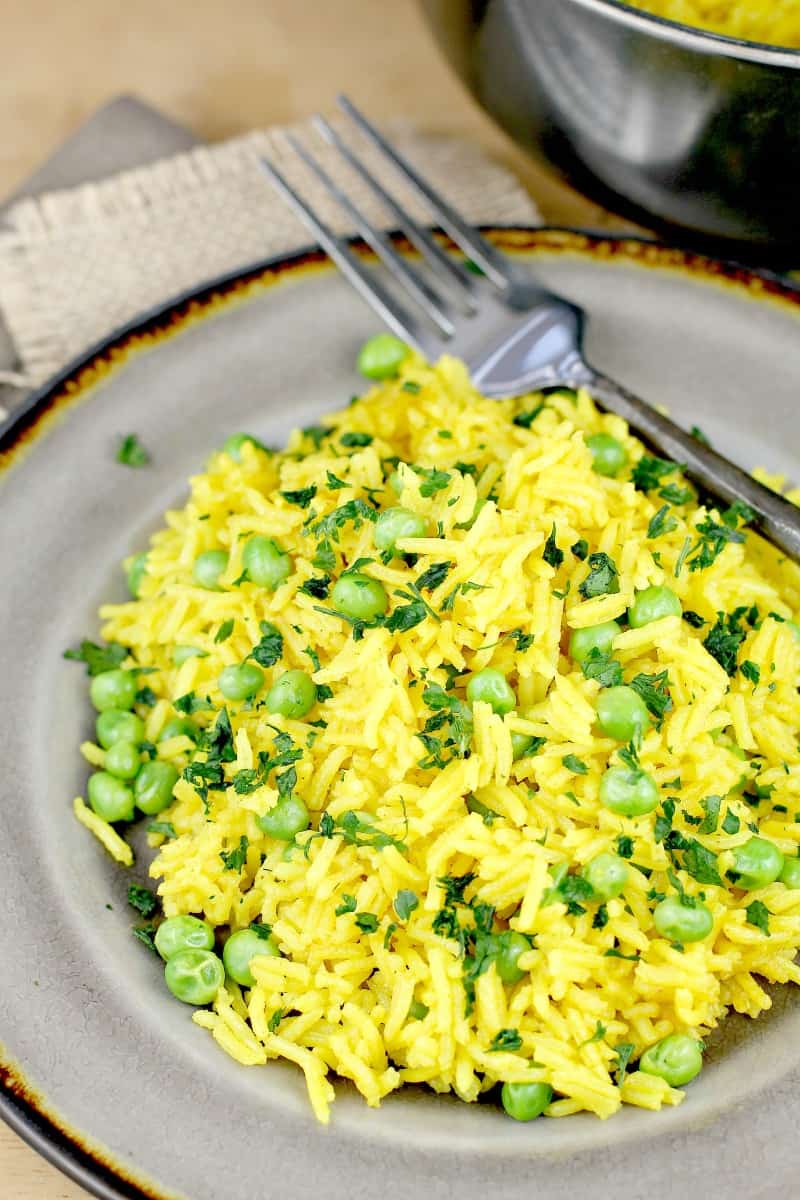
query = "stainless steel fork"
{"x": 513, "y": 334}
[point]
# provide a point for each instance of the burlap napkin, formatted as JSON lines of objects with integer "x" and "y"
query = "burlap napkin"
{"x": 77, "y": 264}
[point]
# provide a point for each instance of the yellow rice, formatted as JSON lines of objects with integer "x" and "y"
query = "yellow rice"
{"x": 774, "y": 22}
{"x": 337, "y": 1002}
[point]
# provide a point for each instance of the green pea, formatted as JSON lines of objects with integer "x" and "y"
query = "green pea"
{"x": 621, "y": 713}
{"x": 266, "y": 562}
{"x": 283, "y": 822}
{"x": 179, "y": 727}
{"x": 396, "y": 523}
{"x": 240, "y": 682}
{"x": 651, "y": 605}
{"x": 790, "y": 875}
{"x": 679, "y": 922}
{"x": 510, "y": 947}
{"x": 177, "y": 934}
{"x": 233, "y": 445}
{"x": 380, "y": 356}
{"x": 181, "y": 653}
{"x": 593, "y": 637}
{"x": 359, "y": 597}
{"x": 525, "y": 1101}
{"x": 492, "y": 687}
{"x": 113, "y": 689}
{"x": 676, "y": 1059}
{"x": 293, "y": 694}
{"x": 608, "y": 453}
{"x": 607, "y": 874}
{"x": 521, "y": 745}
{"x": 154, "y": 785}
{"x": 629, "y": 793}
{"x": 123, "y": 760}
{"x": 116, "y": 725}
{"x": 194, "y": 976}
{"x": 137, "y": 569}
{"x": 757, "y": 863}
{"x": 795, "y": 628}
{"x": 208, "y": 567}
{"x": 109, "y": 797}
{"x": 240, "y": 948}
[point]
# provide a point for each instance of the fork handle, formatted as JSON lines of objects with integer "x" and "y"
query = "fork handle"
{"x": 777, "y": 518}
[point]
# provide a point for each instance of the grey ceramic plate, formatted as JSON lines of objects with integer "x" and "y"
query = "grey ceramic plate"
{"x": 105, "y": 1073}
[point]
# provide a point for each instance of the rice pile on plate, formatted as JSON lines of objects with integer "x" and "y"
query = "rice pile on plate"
{"x": 408, "y": 797}
{"x": 773, "y": 22}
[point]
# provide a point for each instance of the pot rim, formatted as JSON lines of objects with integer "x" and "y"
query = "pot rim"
{"x": 690, "y": 38}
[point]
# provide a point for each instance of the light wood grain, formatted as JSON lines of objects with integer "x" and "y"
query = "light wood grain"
{"x": 222, "y": 68}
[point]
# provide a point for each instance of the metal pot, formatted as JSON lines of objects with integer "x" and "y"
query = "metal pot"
{"x": 671, "y": 125}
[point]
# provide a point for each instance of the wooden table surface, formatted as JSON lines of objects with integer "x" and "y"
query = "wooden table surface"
{"x": 221, "y": 68}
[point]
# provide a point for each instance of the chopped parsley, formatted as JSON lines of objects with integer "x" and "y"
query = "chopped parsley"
{"x": 551, "y": 553}
{"x": 367, "y": 922}
{"x": 267, "y": 652}
{"x": 405, "y": 902}
{"x": 580, "y": 549}
{"x": 575, "y": 764}
{"x": 316, "y": 433}
{"x": 165, "y": 828}
{"x": 348, "y": 905}
{"x": 435, "y": 575}
{"x": 234, "y": 860}
{"x": 731, "y": 823}
{"x": 725, "y": 638}
{"x": 301, "y": 497}
{"x": 654, "y": 690}
{"x": 624, "y": 1052}
{"x": 661, "y": 523}
{"x": 98, "y": 658}
{"x": 625, "y": 846}
{"x": 751, "y": 671}
{"x": 131, "y": 452}
{"x": 224, "y": 632}
{"x": 325, "y": 557}
{"x": 524, "y": 420}
{"x": 758, "y": 915}
{"x": 433, "y": 480}
{"x": 317, "y": 586}
{"x": 189, "y": 704}
{"x": 649, "y": 471}
{"x": 602, "y": 667}
{"x": 354, "y": 511}
{"x": 208, "y": 775}
{"x": 711, "y": 806}
{"x": 506, "y": 1039}
{"x": 694, "y": 619}
{"x": 275, "y": 1019}
{"x": 146, "y": 935}
{"x": 356, "y": 439}
{"x": 603, "y": 577}
{"x": 334, "y": 482}
{"x": 142, "y": 899}
{"x": 712, "y": 540}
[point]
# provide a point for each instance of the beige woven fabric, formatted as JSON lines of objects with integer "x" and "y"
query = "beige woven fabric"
{"x": 77, "y": 264}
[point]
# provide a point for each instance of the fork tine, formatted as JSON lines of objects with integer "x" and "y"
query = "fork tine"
{"x": 463, "y": 234}
{"x": 417, "y": 234}
{"x": 389, "y": 309}
{"x": 425, "y": 297}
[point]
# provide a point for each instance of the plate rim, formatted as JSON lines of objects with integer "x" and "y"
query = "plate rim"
{"x": 22, "y": 1108}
